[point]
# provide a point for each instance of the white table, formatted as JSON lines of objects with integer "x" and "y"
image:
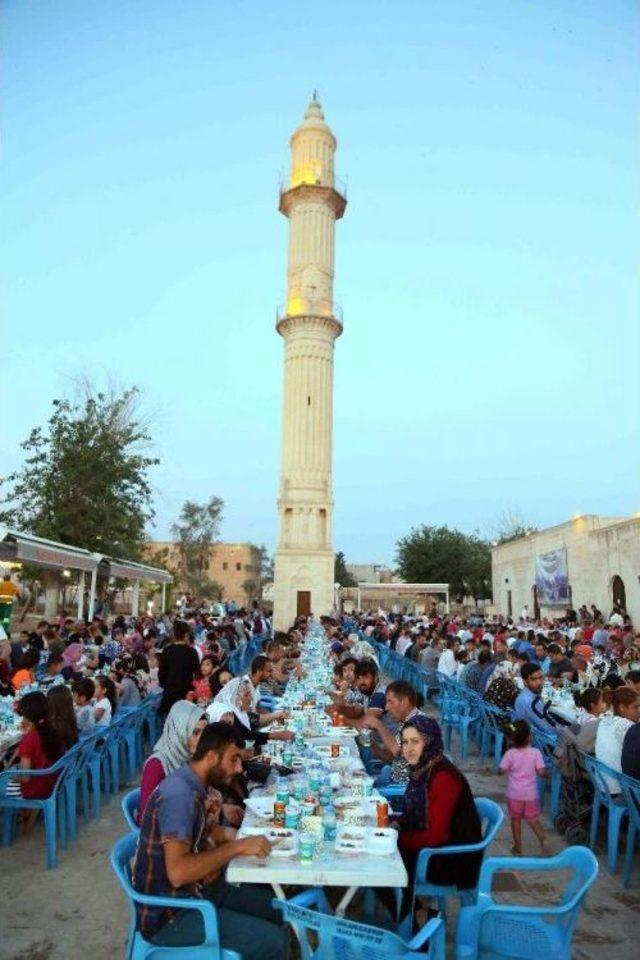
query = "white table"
{"x": 331, "y": 869}
{"x": 9, "y": 738}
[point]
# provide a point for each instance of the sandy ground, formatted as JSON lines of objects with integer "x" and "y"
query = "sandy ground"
{"x": 77, "y": 910}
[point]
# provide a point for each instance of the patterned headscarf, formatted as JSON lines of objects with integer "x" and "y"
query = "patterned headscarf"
{"x": 414, "y": 816}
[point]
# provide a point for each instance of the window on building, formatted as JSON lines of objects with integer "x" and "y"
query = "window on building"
{"x": 238, "y": 566}
{"x": 225, "y": 565}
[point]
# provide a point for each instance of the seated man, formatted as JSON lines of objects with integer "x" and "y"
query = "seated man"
{"x": 560, "y": 667}
{"x": 402, "y": 705}
{"x": 371, "y": 689}
{"x": 178, "y": 856}
{"x": 531, "y": 707}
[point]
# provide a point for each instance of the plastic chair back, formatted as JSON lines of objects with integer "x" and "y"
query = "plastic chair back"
{"x": 130, "y": 804}
{"x": 489, "y": 930}
{"x": 339, "y": 939}
{"x": 631, "y": 792}
{"x": 137, "y": 947}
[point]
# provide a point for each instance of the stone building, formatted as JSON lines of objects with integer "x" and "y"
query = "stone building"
{"x": 589, "y": 559}
{"x": 235, "y": 566}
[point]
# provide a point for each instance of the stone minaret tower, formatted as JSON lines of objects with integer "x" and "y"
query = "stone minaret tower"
{"x": 304, "y": 558}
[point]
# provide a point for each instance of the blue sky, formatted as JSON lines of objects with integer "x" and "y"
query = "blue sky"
{"x": 486, "y": 264}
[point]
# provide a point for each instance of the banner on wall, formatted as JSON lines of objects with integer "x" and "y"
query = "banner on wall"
{"x": 552, "y": 578}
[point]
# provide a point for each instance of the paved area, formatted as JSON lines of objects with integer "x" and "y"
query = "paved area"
{"x": 78, "y": 910}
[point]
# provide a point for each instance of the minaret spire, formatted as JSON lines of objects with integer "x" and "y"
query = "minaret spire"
{"x": 304, "y": 561}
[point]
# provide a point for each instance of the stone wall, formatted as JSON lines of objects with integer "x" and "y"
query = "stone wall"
{"x": 598, "y": 549}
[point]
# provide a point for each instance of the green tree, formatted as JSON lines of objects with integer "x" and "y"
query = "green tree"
{"x": 340, "y": 573}
{"x": 196, "y": 531}
{"x": 440, "y": 555}
{"x": 85, "y": 477}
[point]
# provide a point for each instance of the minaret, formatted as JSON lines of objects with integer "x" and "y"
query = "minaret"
{"x": 304, "y": 560}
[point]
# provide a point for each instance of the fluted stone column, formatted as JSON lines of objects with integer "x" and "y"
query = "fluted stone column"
{"x": 304, "y": 560}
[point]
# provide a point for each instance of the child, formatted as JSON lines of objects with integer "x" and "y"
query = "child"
{"x": 106, "y": 700}
{"x": 83, "y": 693}
{"x": 38, "y": 749}
{"x": 523, "y": 764}
{"x": 202, "y": 683}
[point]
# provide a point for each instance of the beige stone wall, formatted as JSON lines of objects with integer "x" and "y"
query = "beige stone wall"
{"x": 230, "y": 564}
{"x": 598, "y": 549}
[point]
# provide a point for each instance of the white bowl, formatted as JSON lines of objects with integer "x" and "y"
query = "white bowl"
{"x": 382, "y": 840}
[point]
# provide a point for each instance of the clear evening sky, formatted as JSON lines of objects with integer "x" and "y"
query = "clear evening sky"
{"x": 486, "y": 264}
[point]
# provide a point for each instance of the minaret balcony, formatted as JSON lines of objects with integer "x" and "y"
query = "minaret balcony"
{"x": 334, "y": 195}
{"x": 321, "y": 313}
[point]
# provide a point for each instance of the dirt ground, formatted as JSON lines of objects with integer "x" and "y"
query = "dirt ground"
{"x": 78, "y": 909}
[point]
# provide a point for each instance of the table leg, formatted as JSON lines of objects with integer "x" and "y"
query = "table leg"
{"x": 348, "y": 896}
{"x": 279, "y": 892}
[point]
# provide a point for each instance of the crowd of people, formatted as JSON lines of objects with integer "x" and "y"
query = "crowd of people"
{"x": 195, "y": 782}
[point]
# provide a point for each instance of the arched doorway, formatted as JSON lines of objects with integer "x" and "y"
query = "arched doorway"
{"x": 619, "y": 593}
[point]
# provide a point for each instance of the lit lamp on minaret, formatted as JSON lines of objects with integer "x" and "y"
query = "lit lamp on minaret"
{"x": 304, "y": 560}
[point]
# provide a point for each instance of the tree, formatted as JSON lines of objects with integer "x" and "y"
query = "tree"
{"x": 340, "y": 573}
{"x": 85, "y": 478}
{"x": 440, "y": 555}
{"x": 511, "y": 526}
{"x": 196, "y": 530}
{"x": 250, "y": 588}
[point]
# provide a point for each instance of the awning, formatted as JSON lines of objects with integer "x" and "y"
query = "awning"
{"x": 15, "y": 545}
{"x": 129, "y": 570}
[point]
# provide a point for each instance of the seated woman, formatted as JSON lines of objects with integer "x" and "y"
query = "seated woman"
{"x": 237, "y": 697}
{"x": 38, "y": 749}
{"x": 182, "y": 728}
{"x": 612, "y": 731}
{"x": 62, "y": 715}
{"x": 130, "y": 671}
{"x": 438, "y": 808}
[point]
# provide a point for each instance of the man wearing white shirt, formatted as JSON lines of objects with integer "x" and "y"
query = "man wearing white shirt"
{"x": 447, "y": 662}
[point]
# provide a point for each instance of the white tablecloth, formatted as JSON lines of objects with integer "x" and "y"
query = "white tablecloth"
{"x": 330, "y": 869}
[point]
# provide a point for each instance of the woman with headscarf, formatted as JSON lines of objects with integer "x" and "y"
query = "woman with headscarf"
{"x": 237, "y": 697}
{"x": 438, "y": 808}
{"x": 183, "y": 726}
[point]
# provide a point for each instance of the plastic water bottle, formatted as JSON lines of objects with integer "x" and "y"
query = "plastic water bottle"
{"x": 329, "y": 824}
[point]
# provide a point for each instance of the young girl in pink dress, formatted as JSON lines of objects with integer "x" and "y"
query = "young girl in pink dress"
{"x": 523, "y": 764}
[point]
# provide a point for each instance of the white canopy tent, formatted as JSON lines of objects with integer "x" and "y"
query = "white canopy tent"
{"x": 17, "y": 546}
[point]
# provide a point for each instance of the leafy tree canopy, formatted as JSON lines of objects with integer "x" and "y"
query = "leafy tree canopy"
{"x": 440, "y": 555}
{"x": 340, "y": 573}
{"x": 196, "y": 530}
{"x": 85, "y": 477}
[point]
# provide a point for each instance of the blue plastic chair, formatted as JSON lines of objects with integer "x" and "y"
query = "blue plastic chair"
{"x": 493, "y": 720}
{"x": 491, "y": 818}
{"x": 394, "y": 793}
{"x": 130, "y": 804}
{"x": 137, "y": 948}
{"x": 457, "y": 714}
{"x": 546, "y": 744}
{"x": 76, "y": 777}
{"x": 603, "y": 800}
{"x": 496, "y": 931}
{"x": 339, "y": 939}
{"x": 631, "y": 791}
{"x": 53, "y": 807}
